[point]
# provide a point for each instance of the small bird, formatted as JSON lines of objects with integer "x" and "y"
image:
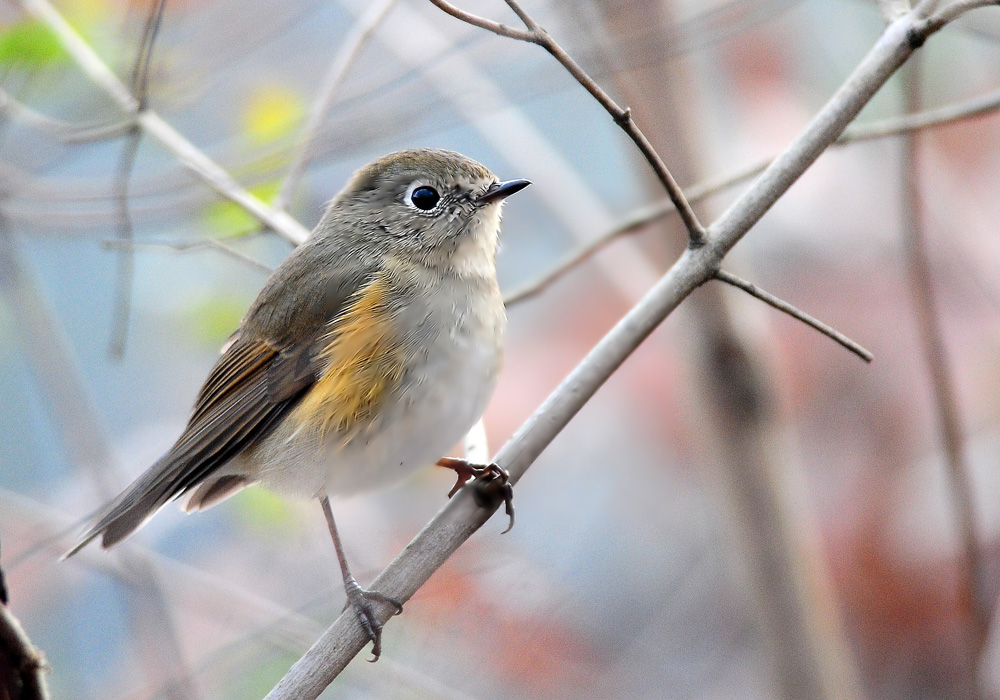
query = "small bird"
{"x": 371, "y": 350}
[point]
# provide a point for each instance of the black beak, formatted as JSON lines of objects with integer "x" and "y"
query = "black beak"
{"x": 502, "y": 190}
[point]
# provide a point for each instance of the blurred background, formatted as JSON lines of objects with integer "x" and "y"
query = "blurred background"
{"x": 642, "y": 564}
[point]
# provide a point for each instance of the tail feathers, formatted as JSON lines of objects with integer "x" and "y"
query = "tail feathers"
{"x": 127, "y": 513}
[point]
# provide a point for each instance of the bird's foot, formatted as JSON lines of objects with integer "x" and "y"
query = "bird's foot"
{"x": 492, "y": 481}
{"x": 361, "y": 601}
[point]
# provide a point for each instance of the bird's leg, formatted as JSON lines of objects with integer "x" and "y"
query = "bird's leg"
{"x": 493, "y": 481}
{"x": 358, "y": 597}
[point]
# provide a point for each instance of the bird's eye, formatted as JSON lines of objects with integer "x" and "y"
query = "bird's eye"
{"x": 425, "y": 198}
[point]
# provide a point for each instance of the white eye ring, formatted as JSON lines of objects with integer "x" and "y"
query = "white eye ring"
{"x": 422, "y": 197}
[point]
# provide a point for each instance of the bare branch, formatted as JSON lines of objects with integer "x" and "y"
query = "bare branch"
{"x": 187, "y": 246}
{"x": 957, "y": 8}
{"x": 126, "y": 262}
{"x": 781, "y": 305}
{"x": 304, "y": 149}
{"x": 64, "y": 131}
{"x": 140, "y": 69}
{"x": 461, "y": 517}
{"x": 523, "y": 16}
{"x": 894, "y": 126}
{"x": 488, "y": 24}
{"x": 154, "y": 125}
{"x": 21, "y": 664}
{"x": 622, "y": 117}
{"x": 976, "y": 609}
{"x": 4, "y": 595}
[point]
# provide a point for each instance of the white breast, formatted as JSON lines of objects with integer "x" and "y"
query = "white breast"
{"x": 456, "y": 382}
{"x": 446, "y": 390}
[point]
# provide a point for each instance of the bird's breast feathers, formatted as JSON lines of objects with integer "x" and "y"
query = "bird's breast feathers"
{"x": 363, "y": 362}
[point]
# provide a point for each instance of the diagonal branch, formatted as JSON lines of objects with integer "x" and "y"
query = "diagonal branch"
{"x": 153, "y": 124}
{"x": 796, "y": 313}
{"x": 305, "y": 148}
{"x": 622, "y": 117}
{"x": 461, "y": 517}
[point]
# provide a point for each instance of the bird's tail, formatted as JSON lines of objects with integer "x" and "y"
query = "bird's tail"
{"x": 129, "y": 511}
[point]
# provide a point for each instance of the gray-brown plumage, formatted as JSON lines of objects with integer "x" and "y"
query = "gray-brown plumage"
{"x": 369, "y": 352}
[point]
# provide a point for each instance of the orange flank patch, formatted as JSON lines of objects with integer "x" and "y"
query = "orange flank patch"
{"x": 364, "y": 362}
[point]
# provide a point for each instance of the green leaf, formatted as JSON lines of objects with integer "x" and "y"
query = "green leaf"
{"x": 29, "y": 44}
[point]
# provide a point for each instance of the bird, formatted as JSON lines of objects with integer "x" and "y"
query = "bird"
{"x": 368, "y": 353}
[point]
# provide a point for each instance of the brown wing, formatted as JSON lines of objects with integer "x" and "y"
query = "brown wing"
{"x": 250, "y": 389}
{"x": 260, "y": 377}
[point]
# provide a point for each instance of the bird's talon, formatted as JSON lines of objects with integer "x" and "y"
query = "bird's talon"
{"x": 492, "y": 481}
{"x": 388, "y": 600}
{"x": 508, "y": 506}
{"x": 359, "y": 598}
{"x": 496, "y": 486}
{"x": 461, "y": 481}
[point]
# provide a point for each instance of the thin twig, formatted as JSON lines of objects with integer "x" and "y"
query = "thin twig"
{"x": 187, "y": 153}
{"x": 66, "y": 132}
{"x": 622, "y": 117}
{"x": 907, "y": 123}
{"x": 122, "y": 302}
{"x": 957, "y": 8}
{"x": 891, "y": 126}
{"x": 126, "y": 261}
{"x": 975, "y": 607}
{"x": 304, "y": 149}
{"x": 781, "y": 305}
{"x": 140, "y": 70}
{"x": 461, "y": 517}
{"x": 187, "y": 246}
{"x": 634, "y": 222}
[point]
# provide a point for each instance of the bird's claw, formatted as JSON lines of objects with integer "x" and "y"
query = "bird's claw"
{"x": 359, "y": 599}
{"x": 498, "y": 486}
{"x": 493, "y": 481}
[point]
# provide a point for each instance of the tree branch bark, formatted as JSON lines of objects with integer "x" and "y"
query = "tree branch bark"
{"x": 22, "y": 666}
